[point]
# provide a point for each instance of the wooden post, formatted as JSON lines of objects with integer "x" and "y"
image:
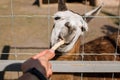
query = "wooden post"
{"x": 38, "y": 3}
{"x": 93, "y": 2}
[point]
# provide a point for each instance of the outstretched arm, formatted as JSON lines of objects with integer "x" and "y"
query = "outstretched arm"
{"x": 41, "y": 63}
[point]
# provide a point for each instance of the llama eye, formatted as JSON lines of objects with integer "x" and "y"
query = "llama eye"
{"x": 56, "y": 18}
{"x": 83, "y": 29}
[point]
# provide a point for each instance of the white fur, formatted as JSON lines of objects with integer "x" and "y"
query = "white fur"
{"x": 75, "y": 20}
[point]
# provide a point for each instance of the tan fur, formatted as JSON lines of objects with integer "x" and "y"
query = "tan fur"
{"x": 102, "y": 45}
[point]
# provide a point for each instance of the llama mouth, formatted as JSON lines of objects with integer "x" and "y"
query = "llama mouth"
{"x": 67, "y": 42}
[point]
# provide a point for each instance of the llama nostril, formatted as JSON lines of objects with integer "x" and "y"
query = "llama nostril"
{"x": 60, "y": 37}
{"x": 83, "y": 29}
{"x": 67, "y": 24}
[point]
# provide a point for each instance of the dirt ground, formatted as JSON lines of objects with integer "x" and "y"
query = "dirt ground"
{"x": 31, "y": 26}
{"x": 26, "y": 28}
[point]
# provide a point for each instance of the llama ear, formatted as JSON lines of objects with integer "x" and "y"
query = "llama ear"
{"x": 61, "y": 5}
{"x": 90, "y": 15}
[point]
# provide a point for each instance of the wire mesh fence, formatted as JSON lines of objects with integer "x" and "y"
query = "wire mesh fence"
{"x": 25, "y": 30}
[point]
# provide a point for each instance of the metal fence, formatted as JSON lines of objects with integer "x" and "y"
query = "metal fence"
{"x": 25, "y": 31}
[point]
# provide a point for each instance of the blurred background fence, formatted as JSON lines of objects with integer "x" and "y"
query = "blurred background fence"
{"x": 25, "y": 26}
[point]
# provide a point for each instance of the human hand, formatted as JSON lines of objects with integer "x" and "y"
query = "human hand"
{"x": 40, "y": 62}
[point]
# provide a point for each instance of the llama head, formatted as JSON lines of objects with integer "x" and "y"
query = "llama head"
{"x": 69, "y": 25}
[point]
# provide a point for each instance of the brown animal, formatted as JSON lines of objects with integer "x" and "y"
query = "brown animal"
{"x": 69, "y": 26}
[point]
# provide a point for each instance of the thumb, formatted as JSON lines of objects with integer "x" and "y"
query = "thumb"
{"x": 49, "y": 54}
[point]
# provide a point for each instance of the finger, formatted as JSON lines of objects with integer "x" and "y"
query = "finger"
{"x": 49, "y": 71}
{"x": 49, "y": 54}
{"x": 40, "y": 54}
{"x": 49, "y": 74}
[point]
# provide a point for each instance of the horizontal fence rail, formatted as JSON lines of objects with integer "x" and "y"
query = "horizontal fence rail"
{"x": 75, "y": 54}
{"x": 69, "y": 66}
